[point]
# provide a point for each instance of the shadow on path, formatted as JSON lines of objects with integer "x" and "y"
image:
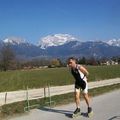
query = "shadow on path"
{"x": 65, "y": 112}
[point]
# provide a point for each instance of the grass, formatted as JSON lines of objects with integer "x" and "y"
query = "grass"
{"x": 17, "y": 80}
{"x": 15, "y": 108}
{"x": 103, "y": 72}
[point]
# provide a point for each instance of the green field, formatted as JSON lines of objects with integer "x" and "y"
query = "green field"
{"x": 16, "y": 80}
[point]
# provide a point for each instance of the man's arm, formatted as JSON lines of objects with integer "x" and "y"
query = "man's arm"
{"x": 84, "y": 70}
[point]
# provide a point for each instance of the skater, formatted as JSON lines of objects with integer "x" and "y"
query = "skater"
{"x": 80, "y": 74}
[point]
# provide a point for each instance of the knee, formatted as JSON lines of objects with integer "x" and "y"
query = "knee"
{"x": 77, "y": 96}
{"x": 85, "y": 95}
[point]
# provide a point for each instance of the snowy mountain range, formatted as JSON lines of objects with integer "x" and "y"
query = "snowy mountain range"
{"x": 63, "y": 45}
{"x": 114, "y": 42}
{"x": 55, "y": 40}
{"x": 14, "y": 40}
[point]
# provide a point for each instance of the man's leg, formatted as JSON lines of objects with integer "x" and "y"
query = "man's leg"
{"x": 85, "y": 94}
{"x": 87, "y": 100}
{"x": 77, "y": 97}
{"x": 77, "y": 101}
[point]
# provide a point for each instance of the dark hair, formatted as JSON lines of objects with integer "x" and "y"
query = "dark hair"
{"x": 72, "y": 58}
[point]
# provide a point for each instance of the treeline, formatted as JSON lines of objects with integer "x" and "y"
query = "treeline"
{"x": 100, "y": 61}
{"x": 9, "y": 61}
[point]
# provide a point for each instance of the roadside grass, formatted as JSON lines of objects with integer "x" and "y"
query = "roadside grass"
{"x": 18, "y": 108}
{"x": 18, "y": 80}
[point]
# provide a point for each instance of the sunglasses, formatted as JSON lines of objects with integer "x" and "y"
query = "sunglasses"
{"x": 69, "y": 63}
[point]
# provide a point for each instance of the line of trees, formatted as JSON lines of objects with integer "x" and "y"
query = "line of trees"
{"x": 8, "y": 61}
{"x": 95, "y": 61}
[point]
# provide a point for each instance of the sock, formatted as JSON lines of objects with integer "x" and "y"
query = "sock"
{"x": 78, "y": 107}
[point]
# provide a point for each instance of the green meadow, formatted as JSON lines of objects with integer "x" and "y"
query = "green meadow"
{"x": 19, "y": 79}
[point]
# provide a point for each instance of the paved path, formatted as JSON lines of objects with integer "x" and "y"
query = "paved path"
{"x": 105, "y": 107}
{"x": 15, "y": 96}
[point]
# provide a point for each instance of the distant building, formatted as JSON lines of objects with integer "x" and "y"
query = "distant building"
{"x": 109, "y": 62}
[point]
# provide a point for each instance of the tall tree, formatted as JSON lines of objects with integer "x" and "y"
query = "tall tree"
{"x": 7, "y": 58}
{"x": 55, "y": 63}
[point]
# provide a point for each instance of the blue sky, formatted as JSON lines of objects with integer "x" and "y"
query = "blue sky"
{"x": 84, "y": 19}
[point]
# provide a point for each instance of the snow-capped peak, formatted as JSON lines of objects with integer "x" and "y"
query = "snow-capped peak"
{"x": 55, "y": 40}
{"x": 14, "y": 40}
{"x": 114, "y": 42}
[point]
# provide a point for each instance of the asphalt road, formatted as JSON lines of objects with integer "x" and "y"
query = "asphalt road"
{"x": 105, "y": 107}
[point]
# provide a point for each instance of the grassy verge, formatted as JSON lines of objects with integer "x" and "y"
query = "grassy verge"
{"x": 16, "y": 80}
{"x": 103, "y": 72}
{"x": 15, "y": 108}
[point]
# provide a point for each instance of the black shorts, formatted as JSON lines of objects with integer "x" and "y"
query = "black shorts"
{"x": 81, "y": 84}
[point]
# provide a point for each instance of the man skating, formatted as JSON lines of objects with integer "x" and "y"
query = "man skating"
{"x": 80, "y": 74}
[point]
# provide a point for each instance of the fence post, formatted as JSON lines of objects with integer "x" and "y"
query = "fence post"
{"x": 49, "y": 95}
{"x": 27, "y": 98}
{"x": 45, "y": 93}
{"x": 5, "y": 97}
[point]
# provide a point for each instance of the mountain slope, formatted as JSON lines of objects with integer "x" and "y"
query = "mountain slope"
{"x": 55, "y": 40}
{"x": 114, "y": 42}
{"x": 23, "y": 48}
{"x": 87, "y": 49}
{"x": 63, "y": 46}
{"x": 14, "y": 40}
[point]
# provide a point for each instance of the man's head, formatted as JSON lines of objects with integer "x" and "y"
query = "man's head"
{"x": 72, "y": 62}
